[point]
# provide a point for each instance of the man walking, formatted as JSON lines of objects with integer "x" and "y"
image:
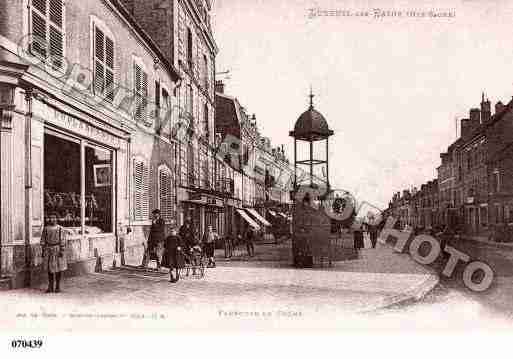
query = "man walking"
{"x": 155, "y": 246}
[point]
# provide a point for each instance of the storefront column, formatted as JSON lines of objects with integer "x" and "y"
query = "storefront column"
{"x": 6, "y": 172}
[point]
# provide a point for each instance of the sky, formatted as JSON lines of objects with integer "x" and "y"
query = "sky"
{"x": 390, "y": 87}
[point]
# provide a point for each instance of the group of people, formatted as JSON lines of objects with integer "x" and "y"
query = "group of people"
{"x": 230, "y": 242}
{"x": 171, "y": 251}
{"x": 358, "y": 235}
{"x": 179, "y": 247}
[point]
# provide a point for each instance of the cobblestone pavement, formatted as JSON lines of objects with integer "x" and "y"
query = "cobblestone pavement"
{"x": 246, "y": 294}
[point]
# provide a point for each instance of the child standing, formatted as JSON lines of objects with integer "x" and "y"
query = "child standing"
{"x": 53, "y": 245}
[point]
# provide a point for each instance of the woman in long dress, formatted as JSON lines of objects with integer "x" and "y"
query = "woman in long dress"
{"x": 53, "y": 245}
{"x": 173, "y": 257}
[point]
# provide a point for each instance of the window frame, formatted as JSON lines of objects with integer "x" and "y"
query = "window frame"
{"x": 48, "y": 24}
{"x": 83, "y": 143}
{"x": 96, "y": 23}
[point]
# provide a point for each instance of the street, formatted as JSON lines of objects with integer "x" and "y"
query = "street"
{"x": 452, "y": 306}
{"x": 263, "y": 292}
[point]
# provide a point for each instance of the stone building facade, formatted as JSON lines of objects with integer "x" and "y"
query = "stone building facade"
{"x": 183, "y": 30}
{"x": 475, "y": 193}
{"x": 86, "y": 133}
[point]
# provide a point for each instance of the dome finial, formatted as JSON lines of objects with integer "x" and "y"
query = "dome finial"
{"x": 311, "y": 97}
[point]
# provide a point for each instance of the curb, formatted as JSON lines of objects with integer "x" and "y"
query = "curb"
{"x": 412, "y": 295}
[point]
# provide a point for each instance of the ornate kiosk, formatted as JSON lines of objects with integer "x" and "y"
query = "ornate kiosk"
{"x": 311, "y": 225}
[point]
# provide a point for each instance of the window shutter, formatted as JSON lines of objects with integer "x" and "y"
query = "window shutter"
{"x": 109, "y": 84}
{"x": 56, "y": 47}
{"x": 56, "y": 7}
{"x": 98, "y": 44}
{"x": 46, "y": 21}
{"x": 38, "y": 45}
{"x": 103, "y": 64}
{"x": 56, "y": 34}
{"x": 181, "y": 36}
{"x": 98, "y": 78}
{"x": 137, "y": 90}
{"x": 109, "y": 52}
{"x": 40, "y": 5}
{"x": 166, "y": 194}
{"x": 141, "y": 191}
{"x": 145, "y": 92}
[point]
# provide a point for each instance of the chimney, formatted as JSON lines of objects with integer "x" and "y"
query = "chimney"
{"x": 475, "y": 118}
{"x": 465, "y": 127}
{"x": 220, "y": 86}
{"x": 498, "y": 107}
{"x": 486, "y": 112}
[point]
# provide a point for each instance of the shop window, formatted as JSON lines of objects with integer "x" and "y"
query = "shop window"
{"x": 103, "y": 64}
{"x": 47, "y": 28}
{"x": 63, "y": 179}
{"x": 166, "y": 194}
{"x": 141, "y": 190}
{"x": 98, "y": 190}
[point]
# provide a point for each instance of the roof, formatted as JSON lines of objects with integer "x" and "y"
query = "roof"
{"x": 311, "y": 126}
{"x": 147, "y": 38}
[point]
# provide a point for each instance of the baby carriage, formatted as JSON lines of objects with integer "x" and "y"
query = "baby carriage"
{"x": 194, "y": 263}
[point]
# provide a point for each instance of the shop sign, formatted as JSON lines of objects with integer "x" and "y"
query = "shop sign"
{"x": 82, "y": 128}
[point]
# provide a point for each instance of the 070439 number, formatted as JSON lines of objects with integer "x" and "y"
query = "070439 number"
{"x": 26, "y": 344}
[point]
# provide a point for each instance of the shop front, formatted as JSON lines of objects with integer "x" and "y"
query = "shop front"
{"x": 75, "y": 168}
{"x": 204, "y": 210}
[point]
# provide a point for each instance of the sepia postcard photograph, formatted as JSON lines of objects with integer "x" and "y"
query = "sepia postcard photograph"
{"x": 244, "y": 166}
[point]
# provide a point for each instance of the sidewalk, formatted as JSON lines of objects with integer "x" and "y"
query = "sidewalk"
{"x": 262, "y": 293}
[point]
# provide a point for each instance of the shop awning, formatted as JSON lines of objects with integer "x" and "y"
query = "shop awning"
{"x": 257, "y": 215}
{"x": 248, "y": 219}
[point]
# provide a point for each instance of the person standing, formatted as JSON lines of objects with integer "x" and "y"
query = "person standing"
{"x": 228, "y": 245}
{"x": 187, "y": 234}
{"x": 155, "y": 246}
{"x": 358, "y": 238}
{"x": 373, "y": 232}
{"x": 173, "y": 257}
{"x": 53, "y": 245}
{"x": 249, "y": 242}
{"x": 209, "y": 239}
